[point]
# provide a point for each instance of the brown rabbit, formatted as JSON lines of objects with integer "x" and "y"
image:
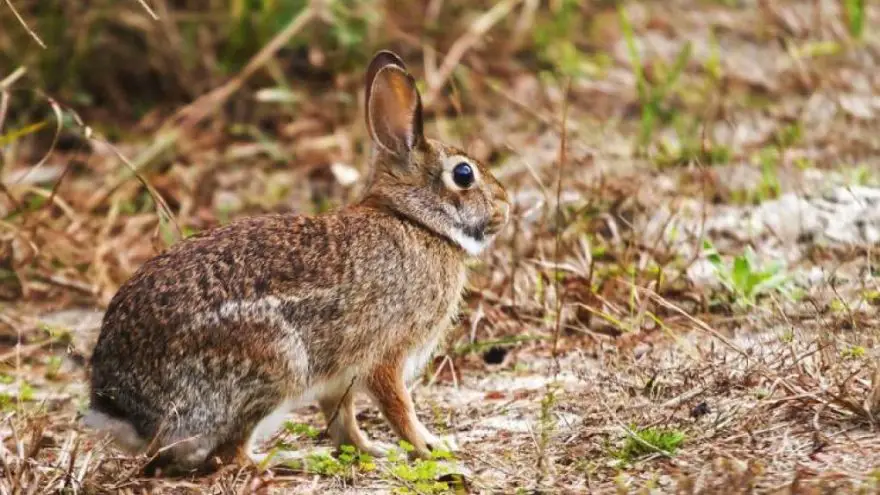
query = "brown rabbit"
{"x": 207, "y": 347}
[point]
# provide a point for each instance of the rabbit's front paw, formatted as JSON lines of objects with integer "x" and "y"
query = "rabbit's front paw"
{"x": 377, "y": 449}
{"x": 442, "y": 443}
{"x": 433, "y": 442}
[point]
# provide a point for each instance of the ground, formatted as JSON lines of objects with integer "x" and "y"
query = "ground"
{"x": 685, "y": 300}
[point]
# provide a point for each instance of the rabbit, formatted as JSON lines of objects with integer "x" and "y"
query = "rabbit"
{"x": 207, "y": 347}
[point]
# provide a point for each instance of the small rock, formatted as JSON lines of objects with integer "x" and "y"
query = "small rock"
{"x": 700, "y": 410}
{"x": 641, "y": 349}
{"x": 860, "y": 107}
{"x": 495, "y": 355}
{"x": 346, "y": 175}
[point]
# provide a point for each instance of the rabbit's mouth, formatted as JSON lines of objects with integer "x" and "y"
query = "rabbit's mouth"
{"x": 477, "y": 232}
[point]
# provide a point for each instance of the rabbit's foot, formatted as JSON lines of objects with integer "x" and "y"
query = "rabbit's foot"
{"x": 373, "y": 448}
{"x": 433, "y": 442}
{"x": 441, "y": 443}
{"x": 378, "y": 449}
{"x": 279, "y": 457}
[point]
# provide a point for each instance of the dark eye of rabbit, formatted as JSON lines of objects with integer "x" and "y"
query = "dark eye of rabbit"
{"x": 463, "y": 175}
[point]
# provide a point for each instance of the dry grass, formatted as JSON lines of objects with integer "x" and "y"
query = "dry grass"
{"x": 596, "y": 324}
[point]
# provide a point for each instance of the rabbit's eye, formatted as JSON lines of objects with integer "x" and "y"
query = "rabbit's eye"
{"x": 463, "y": 175}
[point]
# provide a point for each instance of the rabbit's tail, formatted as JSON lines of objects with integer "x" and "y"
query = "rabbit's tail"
{"x": 120, "y": 430}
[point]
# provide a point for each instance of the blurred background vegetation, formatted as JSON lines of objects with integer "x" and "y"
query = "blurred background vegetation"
{"x": 112, "y": 60}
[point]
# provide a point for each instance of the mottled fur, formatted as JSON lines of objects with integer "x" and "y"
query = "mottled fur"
{"x": 207, "y": 346}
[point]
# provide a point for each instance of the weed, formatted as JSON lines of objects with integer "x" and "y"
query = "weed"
{"x": 546, "y": 427}
{"x": 349, "y": 461}
{"x": 747, "y": 279}
{"x": 861, "y": 175}
{"x": 854, "y": 13}
{"x": 652, "y": 95}
{"x": 690, "y": 147}
{"x": 324, "y": 465}
{"x": 53, "y": 366}
{"x": 837, "y": 305}
{"x": 769, "y": 186}
{"x": 301, "y": 429}
{"x": 647, "y": 441}
{"x": 555, "y": 46}
{"x": 789, "y": 135}
{"x": 422, "y": 475}
{"x": 25, "y": 394}
{"x": 871, "y": 296}
{"x": 787, "y": 336}
{"x": 854, "y": 352}
{"x": 253, "y": 23}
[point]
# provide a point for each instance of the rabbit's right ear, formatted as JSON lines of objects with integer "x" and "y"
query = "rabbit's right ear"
{"x": 394, "y": 107}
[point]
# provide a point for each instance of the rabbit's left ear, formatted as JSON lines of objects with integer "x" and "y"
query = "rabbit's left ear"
{"x": 394, "y": 109}
{"x": 381, "y": 60}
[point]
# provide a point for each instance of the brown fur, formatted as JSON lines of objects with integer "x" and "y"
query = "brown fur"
{"x": 206, "y": 340}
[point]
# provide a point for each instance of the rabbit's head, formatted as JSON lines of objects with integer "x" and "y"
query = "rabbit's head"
{"x": 431, "y": 183}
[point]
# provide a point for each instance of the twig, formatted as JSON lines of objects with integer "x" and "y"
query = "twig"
{"x": 559, "y": 227}
{"x": 416, "y": 42}
{"x": 9, "y": 80}
{"x": 196, "y": 111}
{"x": 148, "y": 9}
{"x": 161, "y": 143}
{"x": 24, "y": 25}
{"x": 524, "y": 23}
{"x": 464, "y": 43}
{"x": 339, "y": 404}
{"x": 4, "y": 106}
{"x": 160, "y": 201}
{"x": 72, "y": 284}
{"x": 699, "y": 323}
{"x": 89, "y": 134}
{"x": 59, "y": 121}
{"x": 21, "y": 351}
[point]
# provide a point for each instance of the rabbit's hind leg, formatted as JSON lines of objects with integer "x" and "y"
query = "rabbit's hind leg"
{"x": 121, "y": 432}
{"x": 342, "y": 424}
{"x": 264, "y": 430}
{"x": 179, "y": 456}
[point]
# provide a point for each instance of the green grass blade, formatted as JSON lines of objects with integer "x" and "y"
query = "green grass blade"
{"x": 12, "y": 136}
{"x": 632, "y": 50}
{"x": 855, "y": 17}
{"x": 678, "y": 66}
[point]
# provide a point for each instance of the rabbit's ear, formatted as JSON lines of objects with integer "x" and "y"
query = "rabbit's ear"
{"x": 380, "y": 61}
{"x": 394, "y": 110}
